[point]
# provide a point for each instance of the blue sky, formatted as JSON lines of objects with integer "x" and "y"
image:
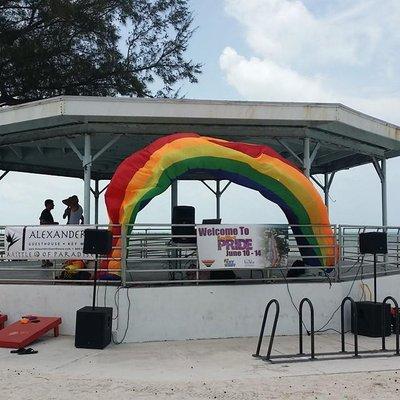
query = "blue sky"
{"x": 273, "y": 50}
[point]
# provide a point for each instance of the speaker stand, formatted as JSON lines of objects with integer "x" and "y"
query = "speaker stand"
{"x": 375, "y": 278}
{"x": 95, "y": 282}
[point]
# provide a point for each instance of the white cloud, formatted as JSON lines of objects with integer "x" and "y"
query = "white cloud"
{"x": 286, "y": 30}
{"x": 263, "y": 79}
{"x": 348, "y": 55}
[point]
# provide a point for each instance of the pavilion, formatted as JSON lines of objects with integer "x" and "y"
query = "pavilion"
{"x": 88, "y": 137}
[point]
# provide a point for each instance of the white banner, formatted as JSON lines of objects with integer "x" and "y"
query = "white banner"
{"x": 45, "y": 242}
{"x": 241, "y": 246}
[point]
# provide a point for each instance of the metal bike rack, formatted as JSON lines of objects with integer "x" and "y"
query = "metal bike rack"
{"x": 353, "y": 324}
{"x": 301, "y": 327}
{"x": 271, "y": 339}
{"x": 325, "y": 356}
{"x": 384, "y": 323}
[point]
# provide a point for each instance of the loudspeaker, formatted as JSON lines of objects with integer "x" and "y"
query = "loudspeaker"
{"x": 369, "y": 319}
{"x": 373, "y": 243}
{"x": 93, "y": 327}
{"x": 97, "y": 241}
{"x": 183, "y": 215}
{"x": 212, "y": 221}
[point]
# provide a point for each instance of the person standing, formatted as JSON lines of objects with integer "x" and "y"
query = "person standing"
{"x": 46, "y": 218}
{"x": 74, "y": 211}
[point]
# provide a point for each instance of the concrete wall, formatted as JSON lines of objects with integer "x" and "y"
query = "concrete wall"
{"x": 193, "y": 312}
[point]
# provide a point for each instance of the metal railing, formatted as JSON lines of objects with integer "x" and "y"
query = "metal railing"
{"x": 150, "y": 254}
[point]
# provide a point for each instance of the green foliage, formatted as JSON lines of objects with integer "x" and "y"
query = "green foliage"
{"x": 93, "y": 47}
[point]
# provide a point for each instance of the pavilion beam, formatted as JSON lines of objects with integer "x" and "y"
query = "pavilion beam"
{"x": 3, "y": 174}
{"x": 106, "y": 147}
{"x": 74, "y": 148}
{"x": 282, "y": 143}
{"x": 344, "y": 142}
{"x": 16, "y": 151}
{"x": 317, "y": 182}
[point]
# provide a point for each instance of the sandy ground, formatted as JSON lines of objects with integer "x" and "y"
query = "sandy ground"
{"x": 202, "y": 369}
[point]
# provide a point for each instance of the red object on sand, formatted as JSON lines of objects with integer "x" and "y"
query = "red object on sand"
{"x": 3, "y": 318}
{"x": 18, "y": 335}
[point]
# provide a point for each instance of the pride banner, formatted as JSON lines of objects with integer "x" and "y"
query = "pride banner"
{"x": 241, "y": 246}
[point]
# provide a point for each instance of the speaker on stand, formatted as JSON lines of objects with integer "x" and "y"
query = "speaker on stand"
{"x": 183, "y": 215}
{"x": 373, "y": 243}
{"x": 94, "y": 324}
{"x": 369, "y": 313}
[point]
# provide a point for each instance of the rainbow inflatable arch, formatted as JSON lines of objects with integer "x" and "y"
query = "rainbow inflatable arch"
{"x": 150, "y": 171}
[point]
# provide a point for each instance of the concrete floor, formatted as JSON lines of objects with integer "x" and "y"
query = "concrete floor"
{"x": 201, "y": 369}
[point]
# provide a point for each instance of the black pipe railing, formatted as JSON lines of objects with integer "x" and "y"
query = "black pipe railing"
{"x": 384, "y": 323}
{"x": 353, "y": 324}
{"x": 301, "y": 327}
{"x": 271, "y": 339}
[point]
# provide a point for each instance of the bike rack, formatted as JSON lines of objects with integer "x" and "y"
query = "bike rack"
{"x": 271, "y": 339}
{"x": 353, "y": 324}
{"x": 325, "y": 356}
{"x": 384, "y": 323}
{"x": 301, "y": 327}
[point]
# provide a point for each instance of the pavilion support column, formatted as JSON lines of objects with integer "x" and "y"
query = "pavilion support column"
{"x": 174, "y": 196}
{"x": 384, "y": 192}
{"x": 218, "y": 193}
{"x": 328, "y": 179}
{"x": 218, "y": 198}
{"x": 326, "y": 190}
{"x": 96, "y": 194}
{"x": 380, "y": 168}
{"x": 87, "y": 160}
{"x": 306, "y": 157}
{"x": 87, "y": 167}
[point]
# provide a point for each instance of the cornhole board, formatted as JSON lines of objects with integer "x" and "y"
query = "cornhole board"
{"x": 3, "y": 318}
{"x": 18, "y": 335}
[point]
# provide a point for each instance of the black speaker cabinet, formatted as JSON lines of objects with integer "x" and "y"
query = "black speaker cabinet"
{"x": 373, "y": 243}
{"x": 93, "y": 327}
{"x": 97, "y": 241}
{"x": 369, "y": 319}
{"x": 183, "y": 215}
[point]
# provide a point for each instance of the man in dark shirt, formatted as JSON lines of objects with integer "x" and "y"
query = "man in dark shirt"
{"x": 45, "y": 217}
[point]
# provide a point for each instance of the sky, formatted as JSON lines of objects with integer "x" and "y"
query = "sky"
{"x": 342, "y": 51}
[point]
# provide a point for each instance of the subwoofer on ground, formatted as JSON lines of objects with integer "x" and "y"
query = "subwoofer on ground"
{"x": 93, "y": 327}
{"x": 369, "y": 319}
